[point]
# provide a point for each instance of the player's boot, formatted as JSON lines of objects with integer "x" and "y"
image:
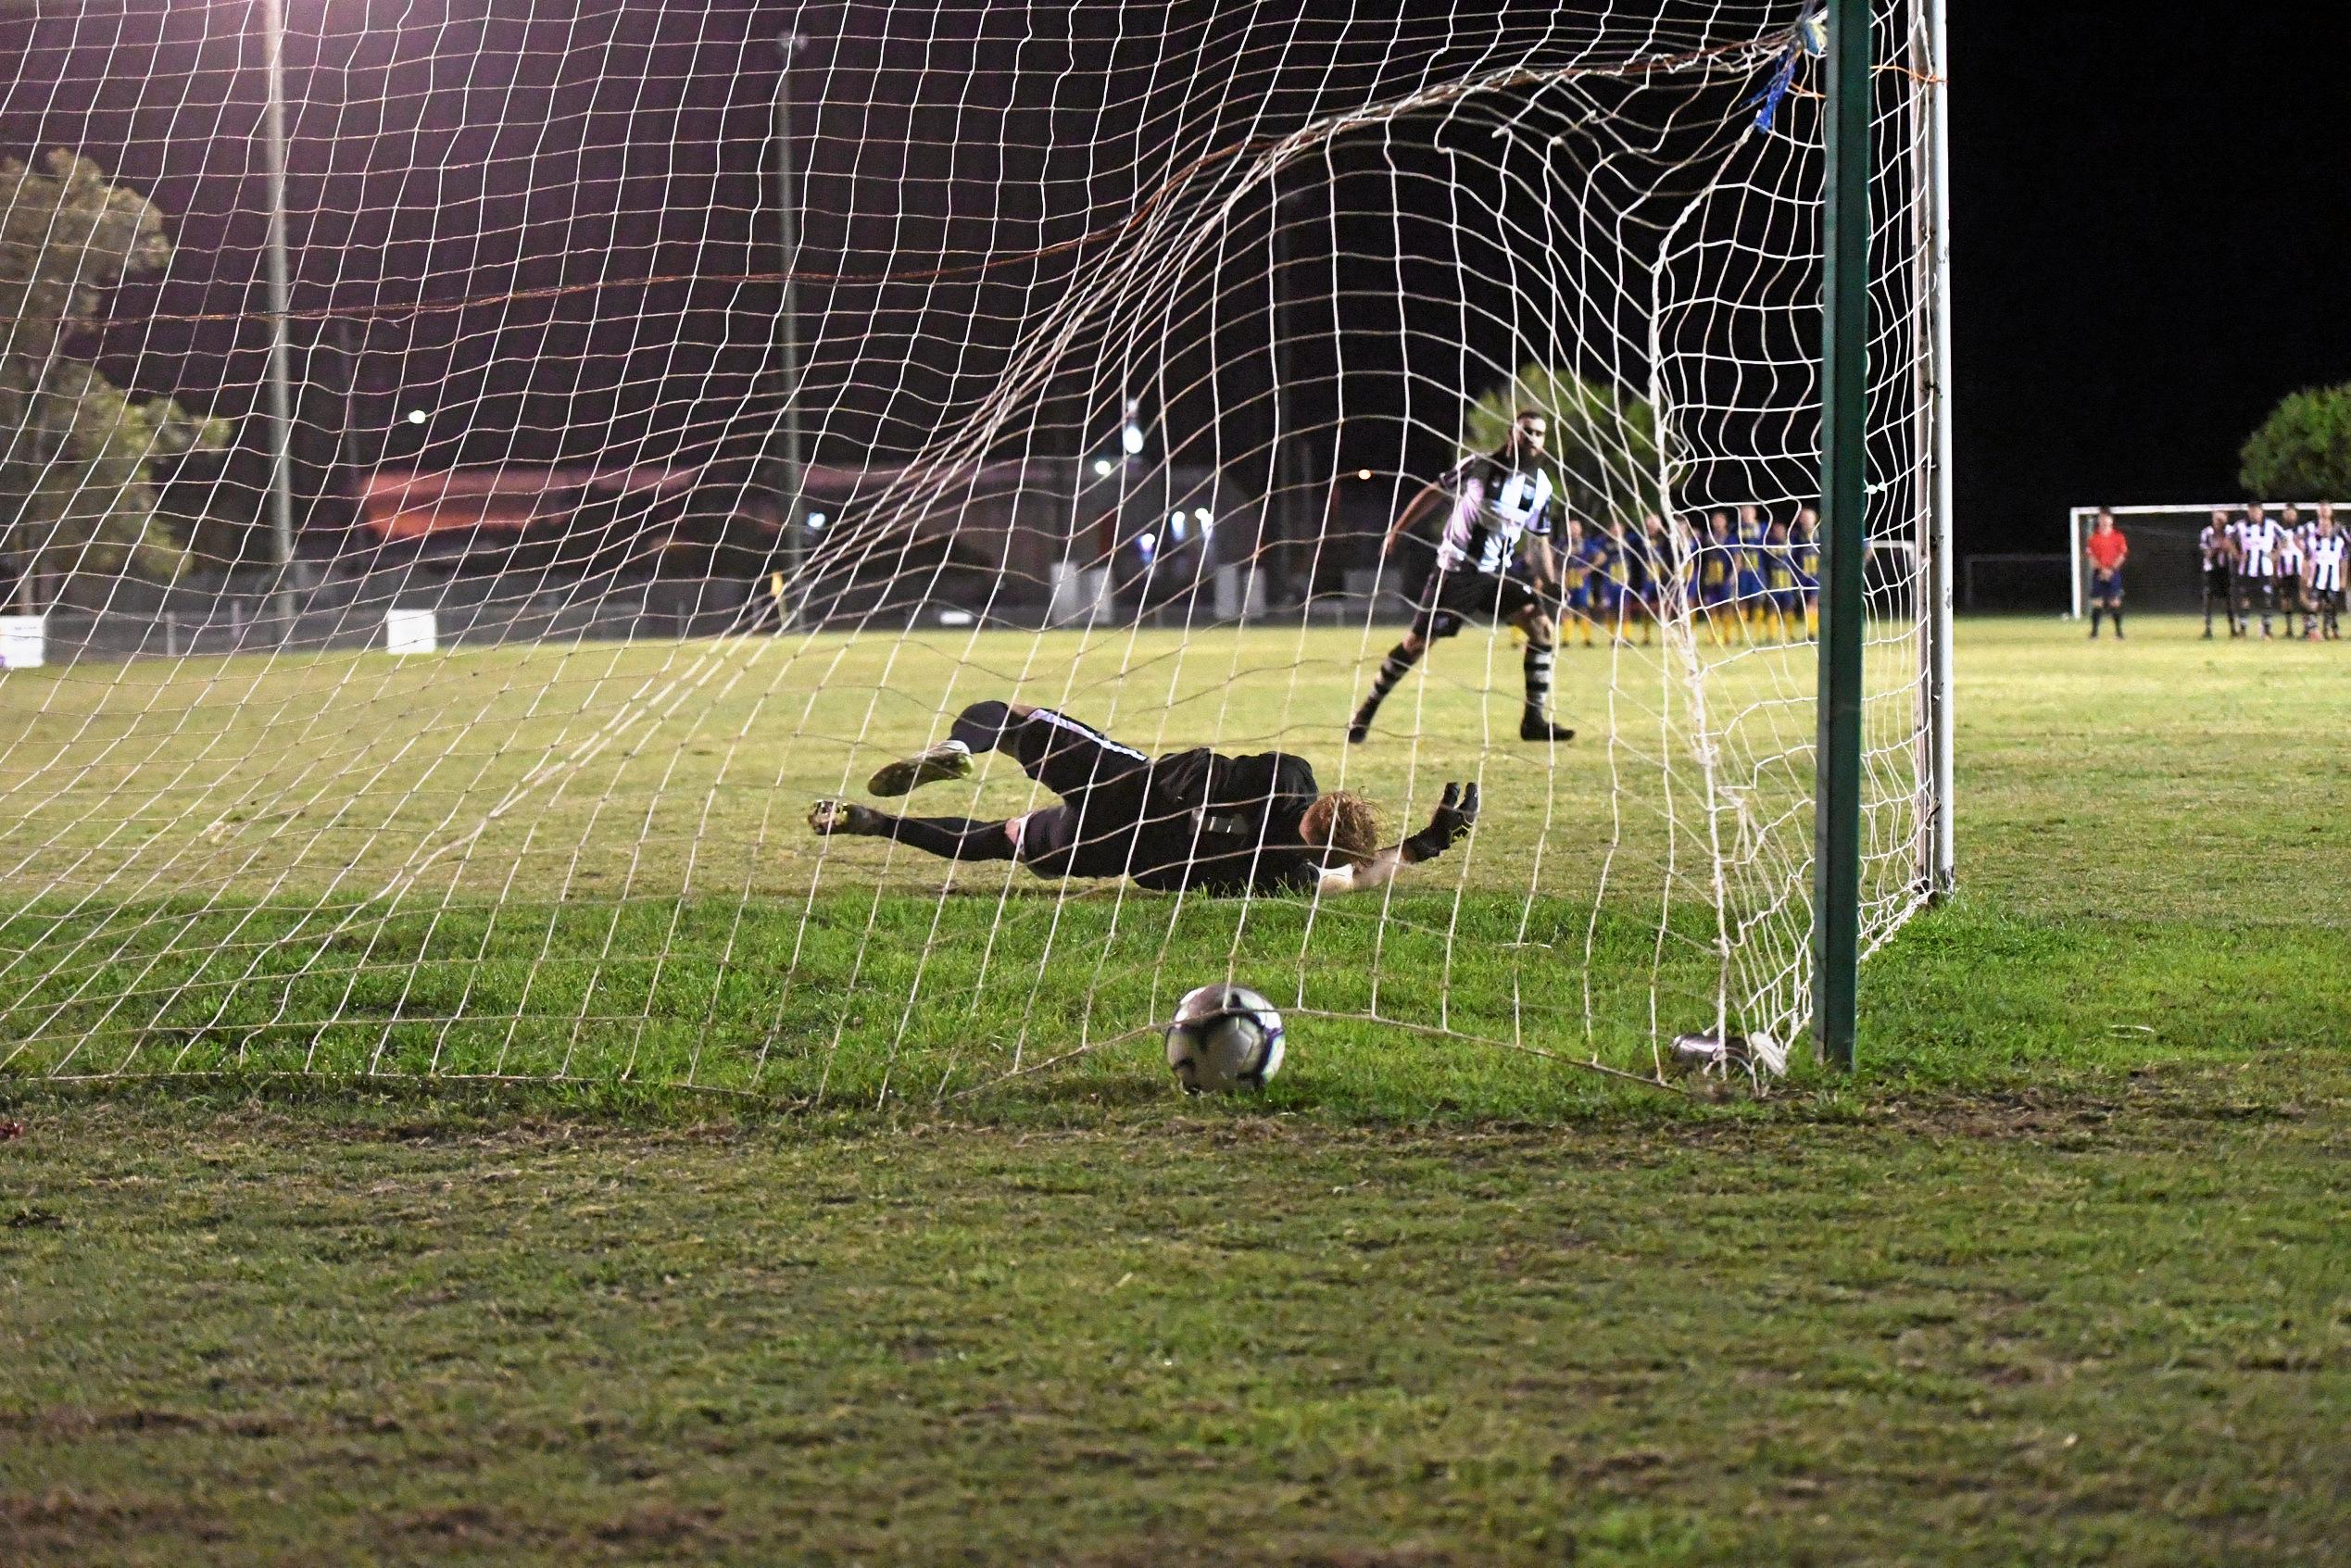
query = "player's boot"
{"x": 1536, "y": 726}
{"x": 1359, "y": 727}
{"x": 947, "y": 760}
{"x": 830, "y": 816}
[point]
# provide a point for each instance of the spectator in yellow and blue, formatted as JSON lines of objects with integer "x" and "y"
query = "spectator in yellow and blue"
{"x": 1747, "y": 574}
{"x": 1714, "y": 572}
{"x": 1803, "y": 545}
{"x": 1595, "y": 553}
{"x": 1783, "y": 600}
{"x": 1624, "y": 581}
{"x": 1574, "y": 578}
{"x": 1669, "y": 567}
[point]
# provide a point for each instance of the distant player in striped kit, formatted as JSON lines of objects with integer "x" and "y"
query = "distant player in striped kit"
{"x": 2108, "y": 549}
{"x": 2256, "y": 566}
{"x": 2293, "y": 535}
{"x": 2326, "y": 553}
{"x": 2216, "y": 548}
{"x": 1500, "y": 508}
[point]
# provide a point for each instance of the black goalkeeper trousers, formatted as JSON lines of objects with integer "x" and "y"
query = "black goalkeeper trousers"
{"x": 1064, "y": 756}
{"x": 1068, "y": 758}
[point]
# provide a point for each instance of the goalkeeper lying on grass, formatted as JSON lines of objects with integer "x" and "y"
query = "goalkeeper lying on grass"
{"x": 1189, "y": 821}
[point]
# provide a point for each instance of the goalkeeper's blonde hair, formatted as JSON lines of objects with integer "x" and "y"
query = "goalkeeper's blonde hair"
{"x": 1344, "y": 823}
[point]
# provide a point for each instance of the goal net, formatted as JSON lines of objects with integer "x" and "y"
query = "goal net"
{"x": 669, "y": 419}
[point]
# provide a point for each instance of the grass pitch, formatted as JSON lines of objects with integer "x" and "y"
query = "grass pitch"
{"x": 591, "y": 862}
{"x": 2062, "y": 1279}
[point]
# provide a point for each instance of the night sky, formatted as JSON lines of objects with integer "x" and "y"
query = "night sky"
{"x": 2139, "y": 198}
{"x": 2140, "y": 194}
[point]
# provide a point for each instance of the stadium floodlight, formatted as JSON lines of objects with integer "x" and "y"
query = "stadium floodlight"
{"x": 583, "y": 859}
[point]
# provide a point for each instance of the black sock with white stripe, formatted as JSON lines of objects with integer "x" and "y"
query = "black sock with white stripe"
{"x": 1538, "y": 681}
{"x": 1392, "y": 669}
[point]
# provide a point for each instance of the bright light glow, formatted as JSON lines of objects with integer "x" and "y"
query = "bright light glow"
{"x": 1202, "y": 516}
{"x": 1147, "y": 543}
{"x": 1176, "y": 529}
{"x": 1132, "y": 439}
{"x": 1103, "y": 467}
{"x": 817, "y": 519}
{"x": 1362, "y": 473}
{"x": 416, "y": 416}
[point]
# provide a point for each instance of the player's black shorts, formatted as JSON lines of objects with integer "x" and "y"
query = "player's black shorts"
{"x": 2216, "y": 582}
{"x": 1449, "y": 600}
{"x": 2106, "y": 587}
{"x": 1092, "y": 835}
{"x": 2253, "y": 588}
{"x": 2327, "y": 601}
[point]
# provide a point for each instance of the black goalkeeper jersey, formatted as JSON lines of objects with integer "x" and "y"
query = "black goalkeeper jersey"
{"x": 1226, "y": 825}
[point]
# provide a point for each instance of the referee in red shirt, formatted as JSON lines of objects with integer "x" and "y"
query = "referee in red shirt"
{"x": 2108, "y": 549}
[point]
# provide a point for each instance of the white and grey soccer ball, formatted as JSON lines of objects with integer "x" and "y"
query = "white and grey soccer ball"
{"x": 1224, "y": 1038}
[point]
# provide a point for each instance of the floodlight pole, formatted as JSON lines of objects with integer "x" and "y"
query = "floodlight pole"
{"x": 794, "y": 477}
{"x": 281, "y": 352}
{"x": 1844, "y": 387}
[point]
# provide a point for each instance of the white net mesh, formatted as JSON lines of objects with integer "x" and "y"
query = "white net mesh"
{"x": 1113, "y": 340}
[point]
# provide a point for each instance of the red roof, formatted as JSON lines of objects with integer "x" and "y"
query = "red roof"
{"x": 408, "y": 505}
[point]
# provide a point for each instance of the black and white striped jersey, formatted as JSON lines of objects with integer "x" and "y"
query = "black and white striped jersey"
{"x": 2327, "y": 552}
{"x": 2292, "y": 539}
{"x": 1494, "y": 506}
{"x": 2215, "y": 545}
{"x": 2258, "y": 545}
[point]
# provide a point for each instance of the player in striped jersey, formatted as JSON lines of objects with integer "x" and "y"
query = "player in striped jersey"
{"x": 2327, "y": 552}
{"x": 2257, "y": 565}
{"x": 2217, "y": 548}
{"x": 2292, "y": 534}
{"x": 1499, "y": 508}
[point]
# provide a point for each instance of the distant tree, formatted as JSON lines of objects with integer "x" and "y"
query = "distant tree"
{"x": 1603, "y": 450}
{"x": 77, "y": 452}
{"x": 2302, "y": 449}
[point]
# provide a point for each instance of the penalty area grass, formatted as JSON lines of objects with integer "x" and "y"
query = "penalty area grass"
{"x": 2062, "y": 1278}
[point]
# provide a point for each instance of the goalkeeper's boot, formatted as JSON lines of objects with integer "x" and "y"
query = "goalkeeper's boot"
{"x": 1537, "y": 726}
{"x": 829, "y": 816}
{"x": 1359, "y": 727}
{"x": 947, "y": 760}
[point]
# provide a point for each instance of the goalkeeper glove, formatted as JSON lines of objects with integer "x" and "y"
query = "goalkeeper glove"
{"x": 1456, "y": 813}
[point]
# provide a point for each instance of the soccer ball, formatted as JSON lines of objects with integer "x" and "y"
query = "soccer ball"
{"x": 1225, "y": 1037}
